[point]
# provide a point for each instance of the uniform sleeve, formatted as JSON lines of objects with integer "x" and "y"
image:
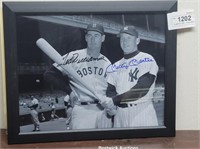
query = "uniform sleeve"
{"x": 55, "y": 77}
{"x": 111, "y": 78}
{"x": 138, "y": 91}
{"x": 153, "y": 67}
{"x": 111, "y": 91}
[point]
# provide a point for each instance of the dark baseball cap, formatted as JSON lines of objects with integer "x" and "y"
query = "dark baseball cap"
{"x": 95, "y": 27}
{"x": 129, "y": 30}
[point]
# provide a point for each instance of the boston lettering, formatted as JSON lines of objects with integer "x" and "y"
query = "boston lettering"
{"x": 90, "y": 70}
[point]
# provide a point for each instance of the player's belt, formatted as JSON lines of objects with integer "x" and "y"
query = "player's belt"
{"x": 124, "y": 105}
{"x": 88, "y": 103}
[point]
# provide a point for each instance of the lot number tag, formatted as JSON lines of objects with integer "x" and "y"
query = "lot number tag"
{"x": 179, "y": 20}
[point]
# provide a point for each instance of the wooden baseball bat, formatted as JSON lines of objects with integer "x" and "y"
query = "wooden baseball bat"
{"x": 57, "y": 58}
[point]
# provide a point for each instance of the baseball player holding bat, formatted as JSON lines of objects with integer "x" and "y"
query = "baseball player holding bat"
{"x": 84, "y": 72}
{"x": 131, "y": 83}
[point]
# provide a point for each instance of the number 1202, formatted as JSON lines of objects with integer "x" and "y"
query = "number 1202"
{"x": 184, "y": 18}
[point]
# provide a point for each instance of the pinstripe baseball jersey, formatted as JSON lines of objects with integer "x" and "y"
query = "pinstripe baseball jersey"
{"x": 124, "y": 74}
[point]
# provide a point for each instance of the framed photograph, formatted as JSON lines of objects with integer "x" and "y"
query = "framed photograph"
{"x": 89, "y": 70}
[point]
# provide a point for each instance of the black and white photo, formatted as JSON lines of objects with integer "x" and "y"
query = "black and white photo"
{"x": 89, "y": 78}
{"x": 96, "y": 72}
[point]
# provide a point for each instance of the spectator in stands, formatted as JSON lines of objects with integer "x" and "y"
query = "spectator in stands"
{"x": 53, "y": 112}
{"x": 42, "y": 117}
{"x": 56, "y": 99}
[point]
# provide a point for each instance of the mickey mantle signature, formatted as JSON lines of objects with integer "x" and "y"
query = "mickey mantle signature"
{"x": 133, "y": 62}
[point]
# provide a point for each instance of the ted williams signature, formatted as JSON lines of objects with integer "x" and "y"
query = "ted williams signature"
{"x": 75, "y": 59}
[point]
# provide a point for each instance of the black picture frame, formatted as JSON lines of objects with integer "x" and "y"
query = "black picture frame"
{"x": 13, "y": 10}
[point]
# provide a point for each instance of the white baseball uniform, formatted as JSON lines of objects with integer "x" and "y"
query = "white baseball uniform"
{"x": 93, "y": 70}
{"x": 124, "y": 75}
{"x": 34, "y": 114}
{"x": 68, "y": 109}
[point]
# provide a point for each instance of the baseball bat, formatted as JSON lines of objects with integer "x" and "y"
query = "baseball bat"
{"x": 49, "y": 50}
{"x": 57, "y": 58}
